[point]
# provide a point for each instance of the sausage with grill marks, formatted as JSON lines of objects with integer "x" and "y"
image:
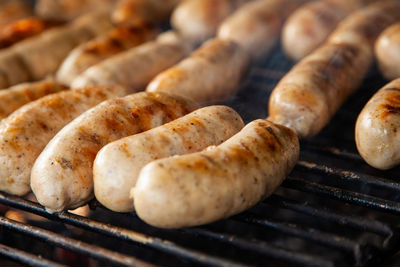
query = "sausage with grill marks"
{"x": 203, "y": 187}
{"x": 62, "y": 175}
{"x": 25, "y": 133}
{"x": 118, "y": 164}
{"x": 310, "y": 94}
{"x": 137, "y": 66}
{"x": 18, "y": 95}
{"x": 211, "y": 74}
{"x": 377, "y": 128}
{"x": 103, "y": 47}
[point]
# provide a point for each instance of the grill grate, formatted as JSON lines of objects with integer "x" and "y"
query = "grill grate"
{"x": 333, "y": 210}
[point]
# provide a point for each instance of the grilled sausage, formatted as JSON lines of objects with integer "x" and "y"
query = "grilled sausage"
{"x": 198, "y": 20}
{"x": 12, "y": 10}
{"x": 218, "y": 182}
{"x": 62, "y": 176}
{"x": 43, "y": 54}
{"x": 16, "y": 96}
{"x": 308, "y": 96}
{"x": 387, "y": 51}
{"x": 136, "y": 66}
{"x": 25, "y": 133}
{"x": 105, "y": 46}
{"x": 310, "y": 25}
{"x": 70, "y": 9}
{"x": 377, "y": 128}
{"x": 191, "y": 133}
{"x": 211, "y": 74}
{"x": 256, "y": 25}
{"x": 22, "y": 29}
{"x": 143, "y": 12}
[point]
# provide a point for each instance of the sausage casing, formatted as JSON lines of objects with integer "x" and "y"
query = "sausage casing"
{"x": 62, "y": 175}
{"x": 211, "y": 74}
{"x": 377, "y": 128}
{"x": 387, "y": 52}
{"x": 104, "y": 46}
{"x": 118, "y": 164}
{"x": 25, "y": 133}
{"x": 137, "y": 66}
{"x": 218, "y": 182}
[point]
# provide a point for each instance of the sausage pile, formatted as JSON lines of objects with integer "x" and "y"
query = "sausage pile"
{"x": 75, "y": 125}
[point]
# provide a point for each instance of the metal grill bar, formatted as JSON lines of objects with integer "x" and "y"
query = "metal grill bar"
{"x": 26, "y": 258}
{"x": 369, "y": 225}
{"x": 116, "y": 232}
{"x": 344, "y": 195}
{"x": 263, "y": 248}
{"x": 71, "y": 244}
{"x": 348, "y": 175}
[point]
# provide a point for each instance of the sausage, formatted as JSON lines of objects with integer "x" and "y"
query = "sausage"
{"x": 12, "y": 10}
{"x": 70, "y": 9}
{"x": 104, "y": 46}
{"x": 211, "y": 74}
{"x": 136, "y": 66}
{"x": 377, "y": 128}
{"x": 18, "y": 95}
{"x": 191, "y": 133}
{"x": 198, "y": 20}
{"x": 25, "y": 133}
{"x": 387, "y": 52}
{"x": 22, "y": 29}
{"x": 62, "y": 176}
{"x": 43, "y": 54}
{"x": 264, "y": 18}
{"x": 309, "y": 26}
{"x": 203, "y": 187}
{"x": 143, "y": 12}
{"x": 310, "y": 94}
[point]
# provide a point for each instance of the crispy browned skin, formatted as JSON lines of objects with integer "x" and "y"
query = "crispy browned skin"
{"x": 62, "y": 175}
{"x": 16, "y": 96}
{"x": 70, "y": 9}
{"x": 218, "y": 182}
{"x": 256, "y": 26}
{"x": 310, "y": 25}
{"x": 308, "y": 96}
{"x": 387, "y": 52}
{"x": 377, "y": 129}
{"x": 143, "y": 12}
{"x": 103, "y": 47}
{"x": 25, "y": 133}
{"x": 198, "y": 20}
{"x": 210, "y": 75}
{"x": 12, "y": 10}
{"x": 22, "y": 29}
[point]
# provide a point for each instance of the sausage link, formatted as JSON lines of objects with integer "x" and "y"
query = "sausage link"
{"x": 18, "y": 95}
{"x": 137, "y": 66}
{"x": 211, "y": 74}
{"x": 142, "y": 12}
{"x": 264, "y": 18}
{"x": 310, "y": 94}
{"x": 218, "y": 182}
{"x": 198, "y": 20}
{"x": 191, "y": 133}
{"x": 62, "y": 175}
{"x": 25, "y": 133}
{"x": 105, "y": 46}
{"x": 377, "y": 127}
{"x": 387, "y": 51}
{"x": 12, "y": 10}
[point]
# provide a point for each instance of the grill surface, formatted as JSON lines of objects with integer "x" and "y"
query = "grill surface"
{"x": 333, "y": 210}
